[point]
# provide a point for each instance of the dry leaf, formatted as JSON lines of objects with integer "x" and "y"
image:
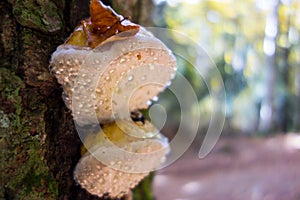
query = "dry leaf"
{"x": 103, "y": 24}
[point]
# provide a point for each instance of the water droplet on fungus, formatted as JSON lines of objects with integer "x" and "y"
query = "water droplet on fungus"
{"x": 107, "y": 78}
{"x": 130, "y": 78}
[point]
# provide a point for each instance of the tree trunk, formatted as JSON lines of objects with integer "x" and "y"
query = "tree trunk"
{"x": 38, "y": 141}
{"x": 267, "y": 112}
{"x": 296, "y": 120}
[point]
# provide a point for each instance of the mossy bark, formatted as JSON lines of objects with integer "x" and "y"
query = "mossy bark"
{"x": 38, "y": 141}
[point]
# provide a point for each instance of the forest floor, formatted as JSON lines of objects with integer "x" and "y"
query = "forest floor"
{"x": 241, "y": 168}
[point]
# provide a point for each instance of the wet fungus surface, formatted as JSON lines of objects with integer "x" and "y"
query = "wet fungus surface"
{"x": 115, "y": 169}
{"x": 109, "y": 68}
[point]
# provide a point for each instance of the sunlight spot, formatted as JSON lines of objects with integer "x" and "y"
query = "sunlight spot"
{"x": 176, "y": 2}
{"x": 213, "y": 16}
{"x": 269, "y": 47}
{"x": 180, "y": 199}
{"x": 160, "y": 180}
{"x": 191, "y": 187}
{"x": 293, "y": 35}
{"x": 292, "y": 141}
{"x": 265, "y": 112}
{"x": 157, "y": 2}
{"x": 264, "y": 5}
{"x": 238, "y": 63}
{"x": 271, "y": 27}
{"x": 287, "y": 2}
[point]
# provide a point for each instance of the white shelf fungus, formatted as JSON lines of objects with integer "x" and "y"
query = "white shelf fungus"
{"x": 113, "y": 76}
{"x": 109, "y": 68}
{"x": 116, "y": 161}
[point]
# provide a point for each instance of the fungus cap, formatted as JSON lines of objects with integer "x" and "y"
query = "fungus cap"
{"x": 116, "y": 161}
{"x": 100, "y": 180}
{"x": 115, "y": 75}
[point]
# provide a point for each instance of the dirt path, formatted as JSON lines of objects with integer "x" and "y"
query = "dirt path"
{"x": 237, "y": 169}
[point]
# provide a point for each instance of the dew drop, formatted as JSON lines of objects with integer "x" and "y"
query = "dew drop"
{"x": 98, "y": 91}
{"x": 98, "y": 167}
{"x": 130, "y": 78}
{"x": 111, "y": 71}
{"x": 84, "y": 84}
{"x": 122, "y": 74}
{"x": 122, "y": 60}
{"x": 168, "y": 83}
{"x": 155, "y": 98}
{"x": 151, "y": 53}
{"x": 107, "y": 78}
{"x": 66, "y": 79}
{"x": 149, "y": 102}
{"x": 126, "y": 168}
{"x": 112, "y": 163}
{"x": 83, "y": 75}
{"x": 155, "y": 58}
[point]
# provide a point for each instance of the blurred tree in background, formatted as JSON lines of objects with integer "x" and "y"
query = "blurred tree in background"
{"x": 255, "y": 45}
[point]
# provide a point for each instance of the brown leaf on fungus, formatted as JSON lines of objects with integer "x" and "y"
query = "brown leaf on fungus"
{"x": 103, "y": 24}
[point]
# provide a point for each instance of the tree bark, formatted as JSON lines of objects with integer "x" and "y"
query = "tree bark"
{"x": 38, "y": 141}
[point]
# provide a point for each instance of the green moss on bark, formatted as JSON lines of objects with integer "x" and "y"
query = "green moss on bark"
{"x": 42, "y": 15}
{"x": 23, "y": 172}
{"x": 38, "y": 143}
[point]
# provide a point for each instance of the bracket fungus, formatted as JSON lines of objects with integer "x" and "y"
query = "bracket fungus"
{"x": 116, "y": 162}
{"x": 108, "y": 68}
